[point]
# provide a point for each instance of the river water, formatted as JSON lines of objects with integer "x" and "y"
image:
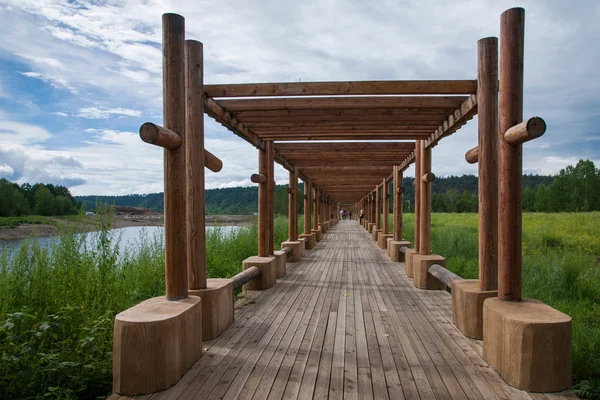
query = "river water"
{"x": 129, "y": 237}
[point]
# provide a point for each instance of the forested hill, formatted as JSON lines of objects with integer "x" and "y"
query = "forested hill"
{"x": 244, "y": 200}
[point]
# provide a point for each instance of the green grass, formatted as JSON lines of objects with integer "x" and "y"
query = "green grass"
{"x": 57, "y": 305}
{"x": 561, "y": 267}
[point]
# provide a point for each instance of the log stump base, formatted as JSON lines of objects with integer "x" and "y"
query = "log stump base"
{"x": 280, "y": 263}
{"x": 422, "y": 278}
{"x": 370, "y": 226}
{"x": 408, "y": 262}
{"x": 217, "y": 307}
{"x": 375, "y": 233}
{"x": 467, "y": 306}
{"x": 296, "y": 254}
{"x": 382, "y": 239}
{"x": 268, "y": 272}
{"x": 528, "y": 343}
{"x": 155, "y": 343}
{"x": 394, "y": 249}
{"x": 311, "y": 240}
{"x": 318, "y": 235}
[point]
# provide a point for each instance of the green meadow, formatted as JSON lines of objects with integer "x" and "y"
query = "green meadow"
{"x": 57, "y": 304}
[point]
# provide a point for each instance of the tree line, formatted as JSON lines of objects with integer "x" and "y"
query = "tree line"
{"x": 37, "y": 199}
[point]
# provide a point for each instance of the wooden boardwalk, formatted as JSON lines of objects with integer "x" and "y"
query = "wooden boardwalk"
{"x": 344, "y": 323}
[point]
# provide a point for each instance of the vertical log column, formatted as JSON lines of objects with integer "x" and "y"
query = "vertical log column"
{"x": 386, "y": 205}
{"x": 417, "y": 195}
{"x": 194, "y": 149}
{"x": 512, "y": 34}
{"x": 425, "y": 199}
{"x": 377, "y": 209}
{"x": 176, "y": 285}
{"x": 397, "y": 203}
{"x": 269, "y": 147}
{"x": 293, "y": 206}
{"x": 317, "y": 208}
{"x": 307, "y": 206}
{"x": 487, "y": 106}
{"x": 263, "y": 204}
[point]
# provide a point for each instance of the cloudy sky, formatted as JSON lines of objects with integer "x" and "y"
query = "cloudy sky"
{"x": 78, "y": 78}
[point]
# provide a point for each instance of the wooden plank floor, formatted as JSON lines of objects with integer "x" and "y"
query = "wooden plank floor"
{"x": 344, "y": 323}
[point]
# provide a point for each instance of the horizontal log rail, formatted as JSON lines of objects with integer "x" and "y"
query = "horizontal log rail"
{"x": 167, "y": 139}
{"x": 528, "y": 130}
{"x": 258, "y": 178}
{"x": 428, "y": 177}
{"x": 245, "y": 276}
{"x": 443, "y": 275}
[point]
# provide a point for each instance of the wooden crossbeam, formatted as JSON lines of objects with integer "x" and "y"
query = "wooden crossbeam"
{"x": 342, "y": 88}
{"x": 467, "y": 110}
{"x": 406, "y": 118}
{"x": 345, "y": 112}
{"x": 344, "y": 102}
{"x": 316, "y": 128}
{"x": 286, "y": 148}
{"x": 295, "y": 137}
{"x": 374, "y": 124}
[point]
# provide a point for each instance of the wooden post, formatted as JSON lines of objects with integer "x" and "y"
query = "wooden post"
{"x": 307, "y": 206}
{"x": 377, "y": 209}
{"x": 397, "y": 203}
{"x": 512, "y": 34}
{"x": 263, "y": 204}
{"x": 417, "y": 195}
{"x": 487, "y": 155}
{"x": 317, "y": 197}
{"x": 194, "y": 153}
{"x": 269, "y": 147}
{"x": 386, "y": 206}
{"x": 425, "y": 200}
{"x": 176, "y": 285}
{"x": 293, "y": 206}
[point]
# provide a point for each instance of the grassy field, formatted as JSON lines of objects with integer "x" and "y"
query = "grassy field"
{"x": 57, "y": 305}
{"x": 561, "y": 267}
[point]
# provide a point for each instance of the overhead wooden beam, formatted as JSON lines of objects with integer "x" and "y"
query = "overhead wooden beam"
{"x": 342, "y": 88}
{"x": 467, "y": 111}
{"x": 218, "y": 113}
{"x": 259, "y": 119}
{"x": 322, "y": 125}
{"x": 389, "y": 135}
{"x": 344, "y": 102}
{"x": 340, "y": 147}
{"x": 345, "y": 112}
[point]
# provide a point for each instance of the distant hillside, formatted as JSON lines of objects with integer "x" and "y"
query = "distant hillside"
{"x": 452, "y": 194}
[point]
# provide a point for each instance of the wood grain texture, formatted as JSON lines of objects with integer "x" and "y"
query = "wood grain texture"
{"x": 263, "y": 205}
{"x": 417, "y": 203}
{"x": 293, "y": 206}
{"x": 342, "y": 88}
{"x": 194, "y": 154}
{"x": 510, "y": 158}
{"x": 487, "y": 155}
{"x": 176, "y": 274}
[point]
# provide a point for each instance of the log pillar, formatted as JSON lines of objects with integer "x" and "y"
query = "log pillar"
{"x": 308, "y": 235}
{"x": 263, "y": 205}
{"x": 425, "y": 199}
{"x": 397, "y": 242}
{"x": 386, "y": 206}
{"x": 418, "y": 174}
{"x": 526, "y": 341}
{"x": 377, "y": 209}
{"x": 270, "y": 150}
{"x": 293, "y": 206}
{"x": 469, "y": 295}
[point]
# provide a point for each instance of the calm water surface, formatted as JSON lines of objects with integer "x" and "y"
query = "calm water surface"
{"x": 129, "y": 237}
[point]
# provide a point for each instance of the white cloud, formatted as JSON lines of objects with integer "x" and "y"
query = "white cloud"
{"x": 54, "y": 81}
{"x": 19, "y": 133}
{"x": 61, "y": 114}
{"x": 104, "y": 113}
{"x": 6, "y": 170}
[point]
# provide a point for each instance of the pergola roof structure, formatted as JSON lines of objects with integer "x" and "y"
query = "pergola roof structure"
{"x": 390, "y": 115}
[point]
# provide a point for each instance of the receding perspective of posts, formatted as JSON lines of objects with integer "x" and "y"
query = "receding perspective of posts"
{"x": 350, "y": 144}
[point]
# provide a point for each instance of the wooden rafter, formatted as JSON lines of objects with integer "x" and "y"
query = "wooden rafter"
{"x": 342, "y": 88}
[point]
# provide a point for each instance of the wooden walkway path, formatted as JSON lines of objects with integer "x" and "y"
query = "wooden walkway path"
{"x": 344, "y": 323}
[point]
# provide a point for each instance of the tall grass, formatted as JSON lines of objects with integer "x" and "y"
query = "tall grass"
{"x": 58, "y": 303}
{"x": 561, "y": 267}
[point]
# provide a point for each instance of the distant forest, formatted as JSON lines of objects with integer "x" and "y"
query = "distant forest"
{"x": 38, "y": 199}
{"x": 573, "y": 189}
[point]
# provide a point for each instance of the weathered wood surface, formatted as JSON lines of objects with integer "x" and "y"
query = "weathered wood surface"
{"x": 345, "y": 322}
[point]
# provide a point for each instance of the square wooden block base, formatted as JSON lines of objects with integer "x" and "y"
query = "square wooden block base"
{"x": 375, "y": 233}
{"x": 302, "y": 246}
{"x": 217, "y": 307}
{"x": 408, "y": 262}
{"x": 422, "y": 278}
{"x": 280, "y": 263}
{"x": 311, "y": 240}
{"x": 155, "y": 343}
{"x": 370, "y": 226}
{"x": 528, "y": 343}
{"x": 268, "y": 272}
{"x": 318, "y": 234}
{"x": 382, "y": 239}
{"x": 394, "y": 249}
{"x": 467, "y": 306}
{"x": 296, "y": 254}
{"x": 323, "y": 227}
